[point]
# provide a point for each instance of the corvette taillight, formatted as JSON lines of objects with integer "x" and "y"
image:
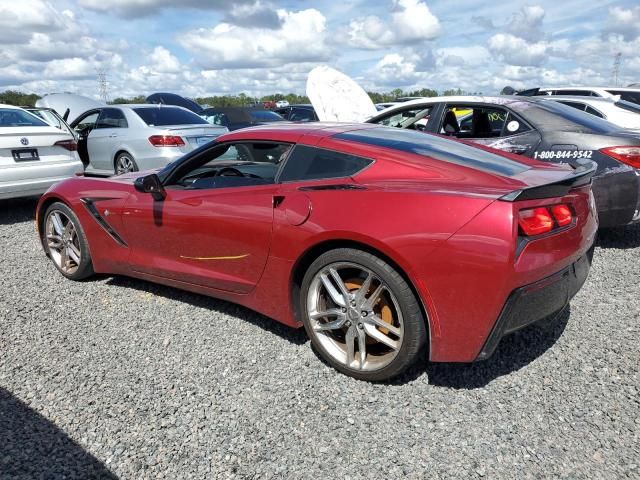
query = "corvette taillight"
{"x": 628, "y": 155}
{"x": 539, "y": 220}
{"x": 70, "y": 145}
{"x": 166, "y": 141}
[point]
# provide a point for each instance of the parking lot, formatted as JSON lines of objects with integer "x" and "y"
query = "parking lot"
{"x": 116, "y": 377}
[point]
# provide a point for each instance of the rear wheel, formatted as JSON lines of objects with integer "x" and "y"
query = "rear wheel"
{"x": 125, "y": 163}
{"x": 361, "y": 315}
{"x": 66, "y": 243}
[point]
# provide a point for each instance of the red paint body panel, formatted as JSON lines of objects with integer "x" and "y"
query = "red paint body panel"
{"x": 441, "y": 224}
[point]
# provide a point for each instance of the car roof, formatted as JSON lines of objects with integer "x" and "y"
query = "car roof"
{"x": 579, "y": 98}
{"x": 4, "y": 105}
{"x": 622, "y": 89}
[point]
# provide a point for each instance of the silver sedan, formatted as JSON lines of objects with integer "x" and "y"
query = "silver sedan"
{"x": 127, "y": 138}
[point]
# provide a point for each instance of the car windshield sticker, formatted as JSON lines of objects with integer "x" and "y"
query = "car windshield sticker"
{"x": 561, "y": 154}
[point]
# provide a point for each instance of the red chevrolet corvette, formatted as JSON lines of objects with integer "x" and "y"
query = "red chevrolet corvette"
{"x": 382, "y": 242}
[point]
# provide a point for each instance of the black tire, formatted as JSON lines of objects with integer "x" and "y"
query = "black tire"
{"x": 124, "y": 158}
{"x": 85, "y": 267}
{"x": 415, "y": 332}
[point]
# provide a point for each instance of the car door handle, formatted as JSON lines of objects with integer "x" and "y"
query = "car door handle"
{"x": 113, "y": 135}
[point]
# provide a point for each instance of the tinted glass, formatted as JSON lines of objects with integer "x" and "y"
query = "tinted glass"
{"x": 10, "y": 117}
{"x": 437, "y": 148}
{"x": 111, "y": 118}
{"x": 265, "y": 116}
{"x": 302, "y": 115}
{"x": 593, "y": 123}
{"x": 593, "y": 111}
{"x": 577, "y": 106}
{"x": 310, "y": 163}
{"x": 630, "y": 107}
{"x": 87, "y": 122}
{"x": 162, "y": 116}
{"x": 577, "y": 93}
{"x": 633, "y": 97}
{"x": 419, "y": 115}
{"x": 49, "y": 117}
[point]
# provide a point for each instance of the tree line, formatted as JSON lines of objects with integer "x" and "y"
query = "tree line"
{"x": 12, "y": 97}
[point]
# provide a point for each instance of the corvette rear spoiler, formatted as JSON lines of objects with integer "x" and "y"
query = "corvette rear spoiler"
{"x": 582, "y": 175}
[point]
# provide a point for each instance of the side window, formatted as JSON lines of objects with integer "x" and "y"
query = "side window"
{"x": 112, "y": 118}
{"x": 593, "y": 111}
{"x": 576, "y": 105}
{"x": 232, "y": 165}
{"x": 405, "y": 118}
{"x": 302, "y": 115}
{"x": 87, "y": 121}
{"x": 480, "y": 122}
{"x": 310, "y": 163}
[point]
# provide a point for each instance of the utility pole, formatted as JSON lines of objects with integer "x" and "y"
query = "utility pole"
{"x": 616, "y": 68}
{"x": 103, "y": 85}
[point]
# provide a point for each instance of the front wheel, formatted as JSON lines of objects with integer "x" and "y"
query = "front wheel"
{"x": 125, "y": 163}
{"x": 66, "y": 243}
{"x": 361, "y": 315}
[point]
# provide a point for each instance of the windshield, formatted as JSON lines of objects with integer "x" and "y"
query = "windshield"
{"x": 13, "y": 117}
{"x": 163, "y": 116}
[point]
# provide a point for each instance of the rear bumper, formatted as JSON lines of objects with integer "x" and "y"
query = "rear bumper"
{"x": 35, "y": 179}
{"x": 531, "y": 303}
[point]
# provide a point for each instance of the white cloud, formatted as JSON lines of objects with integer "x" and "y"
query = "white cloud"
{"x": 516, "y": 50}
{"x": 410, "y": 21}
{"x": 163, "y": 61}
{"x": 625, "y": 22}
{"x": 301, "y": 38}
{"x": 527, "y": 23}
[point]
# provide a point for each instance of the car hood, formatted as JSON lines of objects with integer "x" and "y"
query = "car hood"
{"x": 338, "y": 98}
{"x": 76, "y": 104}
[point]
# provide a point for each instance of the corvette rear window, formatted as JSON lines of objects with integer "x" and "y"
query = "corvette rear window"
{"x": 435, "y": 147}
{"x": 12, "y": 117}
{"x": 163, "y": 116}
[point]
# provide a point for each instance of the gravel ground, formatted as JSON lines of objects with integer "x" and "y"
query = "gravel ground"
{"x": 120, "y": 378}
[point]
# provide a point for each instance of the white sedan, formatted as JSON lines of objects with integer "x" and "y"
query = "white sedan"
{"x": 33, "y": 154}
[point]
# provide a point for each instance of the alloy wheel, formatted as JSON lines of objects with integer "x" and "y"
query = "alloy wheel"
{"x": 355, "y": 316}
{"x": 63, "y": 242}
{"x": 124, "y": 164}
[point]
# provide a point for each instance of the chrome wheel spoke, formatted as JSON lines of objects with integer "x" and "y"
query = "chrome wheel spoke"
{"x": 74, "y": 254}
{"x": 54, "y": 241}
{"x": 361, "y": 294}
{"x": 334, "y": 325}
{"x": 343, "y": 288}
{"x": 337, "y": 298}
{"x": 56, "y": 222}
{"x": 377, "y": 335}
{"x": 370, "y": 302}
{"x": 350, "y": 338}
{"x": 378, "y": 322}
{"x": 362, "y": 347}
{"x": 333, "y": 312}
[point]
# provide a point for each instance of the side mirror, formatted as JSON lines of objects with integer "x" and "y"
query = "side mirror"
{"x": 151, "y": 184}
